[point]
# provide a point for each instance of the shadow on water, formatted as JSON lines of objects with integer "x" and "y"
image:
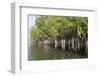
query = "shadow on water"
{"x": 46, "y": 52}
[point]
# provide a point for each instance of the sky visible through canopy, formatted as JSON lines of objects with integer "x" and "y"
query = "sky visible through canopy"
{"x": 31, "y": 20}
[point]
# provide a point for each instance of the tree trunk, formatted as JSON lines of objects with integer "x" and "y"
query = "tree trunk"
{"x": 56, "y": 43}
{"x": 69, "y": 45}
{"x": 78, "y": 45}
{"x": 86, "y": 46}
{"x": 42, "y": 43}
{"x": 63, "y": 44}
{"x": 72, "y": 43}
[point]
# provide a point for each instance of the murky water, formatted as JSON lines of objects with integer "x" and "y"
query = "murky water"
{"x": 49, "y": 53}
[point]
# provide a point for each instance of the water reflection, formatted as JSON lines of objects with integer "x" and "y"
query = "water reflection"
{"x": 46, "y": 52}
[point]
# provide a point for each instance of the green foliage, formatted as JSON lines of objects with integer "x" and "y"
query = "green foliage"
{"x": 59, "y": 26}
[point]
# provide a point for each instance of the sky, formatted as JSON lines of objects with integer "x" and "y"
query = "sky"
{"x": 31, "y": 20}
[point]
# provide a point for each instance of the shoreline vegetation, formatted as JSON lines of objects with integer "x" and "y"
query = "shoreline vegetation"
{"x": 61, "y": 32}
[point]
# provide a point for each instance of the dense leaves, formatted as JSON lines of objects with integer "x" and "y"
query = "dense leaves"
{"x": 59, "y": 27}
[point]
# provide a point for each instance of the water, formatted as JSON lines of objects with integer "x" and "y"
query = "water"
{"x": 48, "y": 53}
